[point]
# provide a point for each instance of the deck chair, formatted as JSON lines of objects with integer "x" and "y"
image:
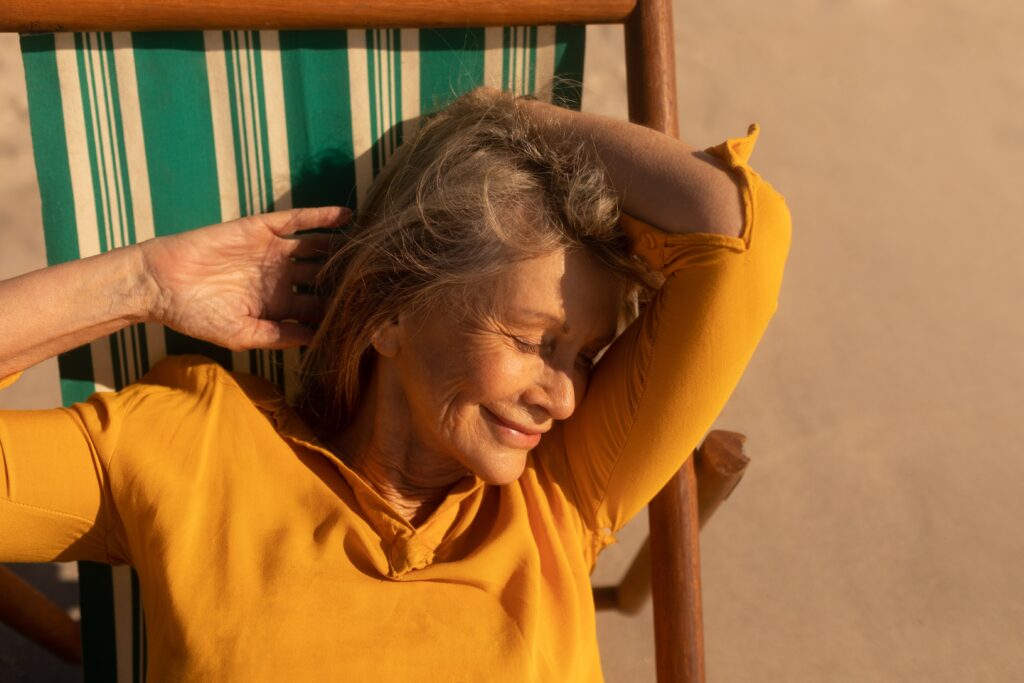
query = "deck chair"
{"x": 149, "y": 120}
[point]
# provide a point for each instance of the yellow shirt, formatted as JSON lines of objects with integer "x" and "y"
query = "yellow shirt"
{"x": 263, "y": 557}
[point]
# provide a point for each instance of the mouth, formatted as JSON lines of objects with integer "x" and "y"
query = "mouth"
{"x": 513, "y": 434}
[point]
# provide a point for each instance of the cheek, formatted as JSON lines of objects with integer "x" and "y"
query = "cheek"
{"x": 498, "y": 374}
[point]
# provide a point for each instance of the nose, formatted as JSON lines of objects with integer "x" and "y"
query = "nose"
{"x": 556, "y": 393}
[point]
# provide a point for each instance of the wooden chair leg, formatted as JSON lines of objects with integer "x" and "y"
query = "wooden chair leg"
{"x": 33, "y": 615}
{"x": 719, "y": 464}
{"x": 675, "y": 580}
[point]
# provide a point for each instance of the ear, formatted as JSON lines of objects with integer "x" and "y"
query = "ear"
{"x": 386, "y": 339}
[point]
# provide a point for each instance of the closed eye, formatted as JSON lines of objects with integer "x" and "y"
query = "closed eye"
{"x": 527, "y": 346}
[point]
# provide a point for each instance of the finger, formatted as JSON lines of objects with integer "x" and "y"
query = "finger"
{"x": 309, "y": 245}
{"x": 284, "y": 223}
{"x": 268, "y": 334}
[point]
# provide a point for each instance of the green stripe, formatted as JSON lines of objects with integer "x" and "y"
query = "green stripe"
{"x": 531, "y": 76}
{"x": 96, "y": 590}
{"x": 570, "y": 44}
{"x": 116, "y": 140}
{"x": 395, "y": 58}
{"x": 261, "y": 101}
{"x": 76, "y": 376}
{"x": 244, "y": 170}
{"x": 126, "y": 361}
{"x": 255, "y": 181}
{"x": 115, "y": 360}
{"x": 180, "y": 150}
{"x": 236, "y": 126}
{"x": 82, "y": 47}
{"x": 506, "y": 39}
{"x": 141, "y": 357}
{"x": 49, "y": 142}
{"x": 174, "y": 96}
{"x": 373, "y": 84}
{"x": 451, "y": 63}
{"x": 138, "y": 632}
{"x": 118, "y": 129}
{"x": 316, "y": 87}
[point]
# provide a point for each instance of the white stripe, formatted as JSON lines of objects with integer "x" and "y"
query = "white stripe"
{"x": 140, "y": 617}
{"x": 134, "y": 143}
{"x": 138, "y": 170}
{"x": 493, "y": 49}
{"x": 240, "y": 361}
{"x": 107, "y": 143}
{"x": 387, "y": 131}
{"x": 280, "y": 165}
{"x": 102, "y": 366}
{"x": 113, "y": 146}
{"x": 223, "y": 143}
{"x": 359, "y": 102}
{"x": 545, "y": 61}
{"x": 156, "y": 346}
{"x": 524, "y": 45}
{"x": 243, "y": 133}
{"x": 410, "y": 65}
{"x": 377, "y": 88}
{"x": 89, "y": 54}
{"x": 121, "y": 577}
{"x": 385, "y": 96}
{"x": 277, "y": 124}
{"x": 220, "y": 114}
{"x": 78, "y": 151}
{"x": 514, "y": 62}
{"x": 526, "y": 62}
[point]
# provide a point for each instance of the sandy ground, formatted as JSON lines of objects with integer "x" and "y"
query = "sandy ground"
{"x": 876, "y": 535}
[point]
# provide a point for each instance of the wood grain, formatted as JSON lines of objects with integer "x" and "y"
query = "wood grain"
{"x": 34, "y": 616}
{"x": 674, "y": 515}
{"x": 39, "y": 16}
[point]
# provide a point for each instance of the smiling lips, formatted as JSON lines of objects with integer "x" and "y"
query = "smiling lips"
{"x": 515, "y": 435}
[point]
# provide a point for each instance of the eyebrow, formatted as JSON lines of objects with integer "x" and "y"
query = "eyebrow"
{"x": 553, "y": 319}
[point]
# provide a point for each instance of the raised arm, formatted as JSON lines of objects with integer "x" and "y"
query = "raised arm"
{"x": 230, "y": 284}
{"x": 720, "y": 236}
{"x": 660, "y": 180}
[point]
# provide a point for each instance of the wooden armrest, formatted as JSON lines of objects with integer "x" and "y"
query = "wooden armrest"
{"x": 34, "y": 616}
{"x": 719, "y": 463}
{"x": 44, "y": 16}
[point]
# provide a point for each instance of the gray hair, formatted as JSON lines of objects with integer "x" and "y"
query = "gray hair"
{"x": 478, "y": 188}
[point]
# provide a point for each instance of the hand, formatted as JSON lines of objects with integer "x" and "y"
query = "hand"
{"x": 232, "y": 284}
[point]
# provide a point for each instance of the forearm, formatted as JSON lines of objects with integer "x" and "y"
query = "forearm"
{"x": 55, "y": 309}
{"x": 660, "y": 180}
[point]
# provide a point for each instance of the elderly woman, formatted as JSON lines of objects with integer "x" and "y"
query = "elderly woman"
{"x": 535, "y": 318}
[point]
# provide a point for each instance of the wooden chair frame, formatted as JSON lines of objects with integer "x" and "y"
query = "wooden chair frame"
{"x": 671, "y": 556}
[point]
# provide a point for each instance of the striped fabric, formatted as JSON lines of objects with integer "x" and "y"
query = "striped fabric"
{"x": 147, "y": 134}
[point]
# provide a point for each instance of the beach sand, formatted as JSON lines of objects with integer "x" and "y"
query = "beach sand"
{"x": 876, "y": 534}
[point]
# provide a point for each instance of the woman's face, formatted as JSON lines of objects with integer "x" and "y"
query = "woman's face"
{"x": 481, "y": 389}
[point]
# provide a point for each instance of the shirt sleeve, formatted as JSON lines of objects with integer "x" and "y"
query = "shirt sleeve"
{"x": 662, "y": 383}
{"x": 55, "y": 498}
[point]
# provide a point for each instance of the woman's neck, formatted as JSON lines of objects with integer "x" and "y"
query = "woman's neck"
{"x": 379, "y": 444}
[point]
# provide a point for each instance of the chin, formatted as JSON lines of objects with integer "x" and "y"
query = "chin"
{"x": 506, "y": 471}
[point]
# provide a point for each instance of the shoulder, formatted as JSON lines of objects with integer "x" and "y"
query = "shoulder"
{"x": 186, "y": 404}
{"x": 196, "y": 379}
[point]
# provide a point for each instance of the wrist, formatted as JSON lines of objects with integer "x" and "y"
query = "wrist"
{"x": 141, "y": 299}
